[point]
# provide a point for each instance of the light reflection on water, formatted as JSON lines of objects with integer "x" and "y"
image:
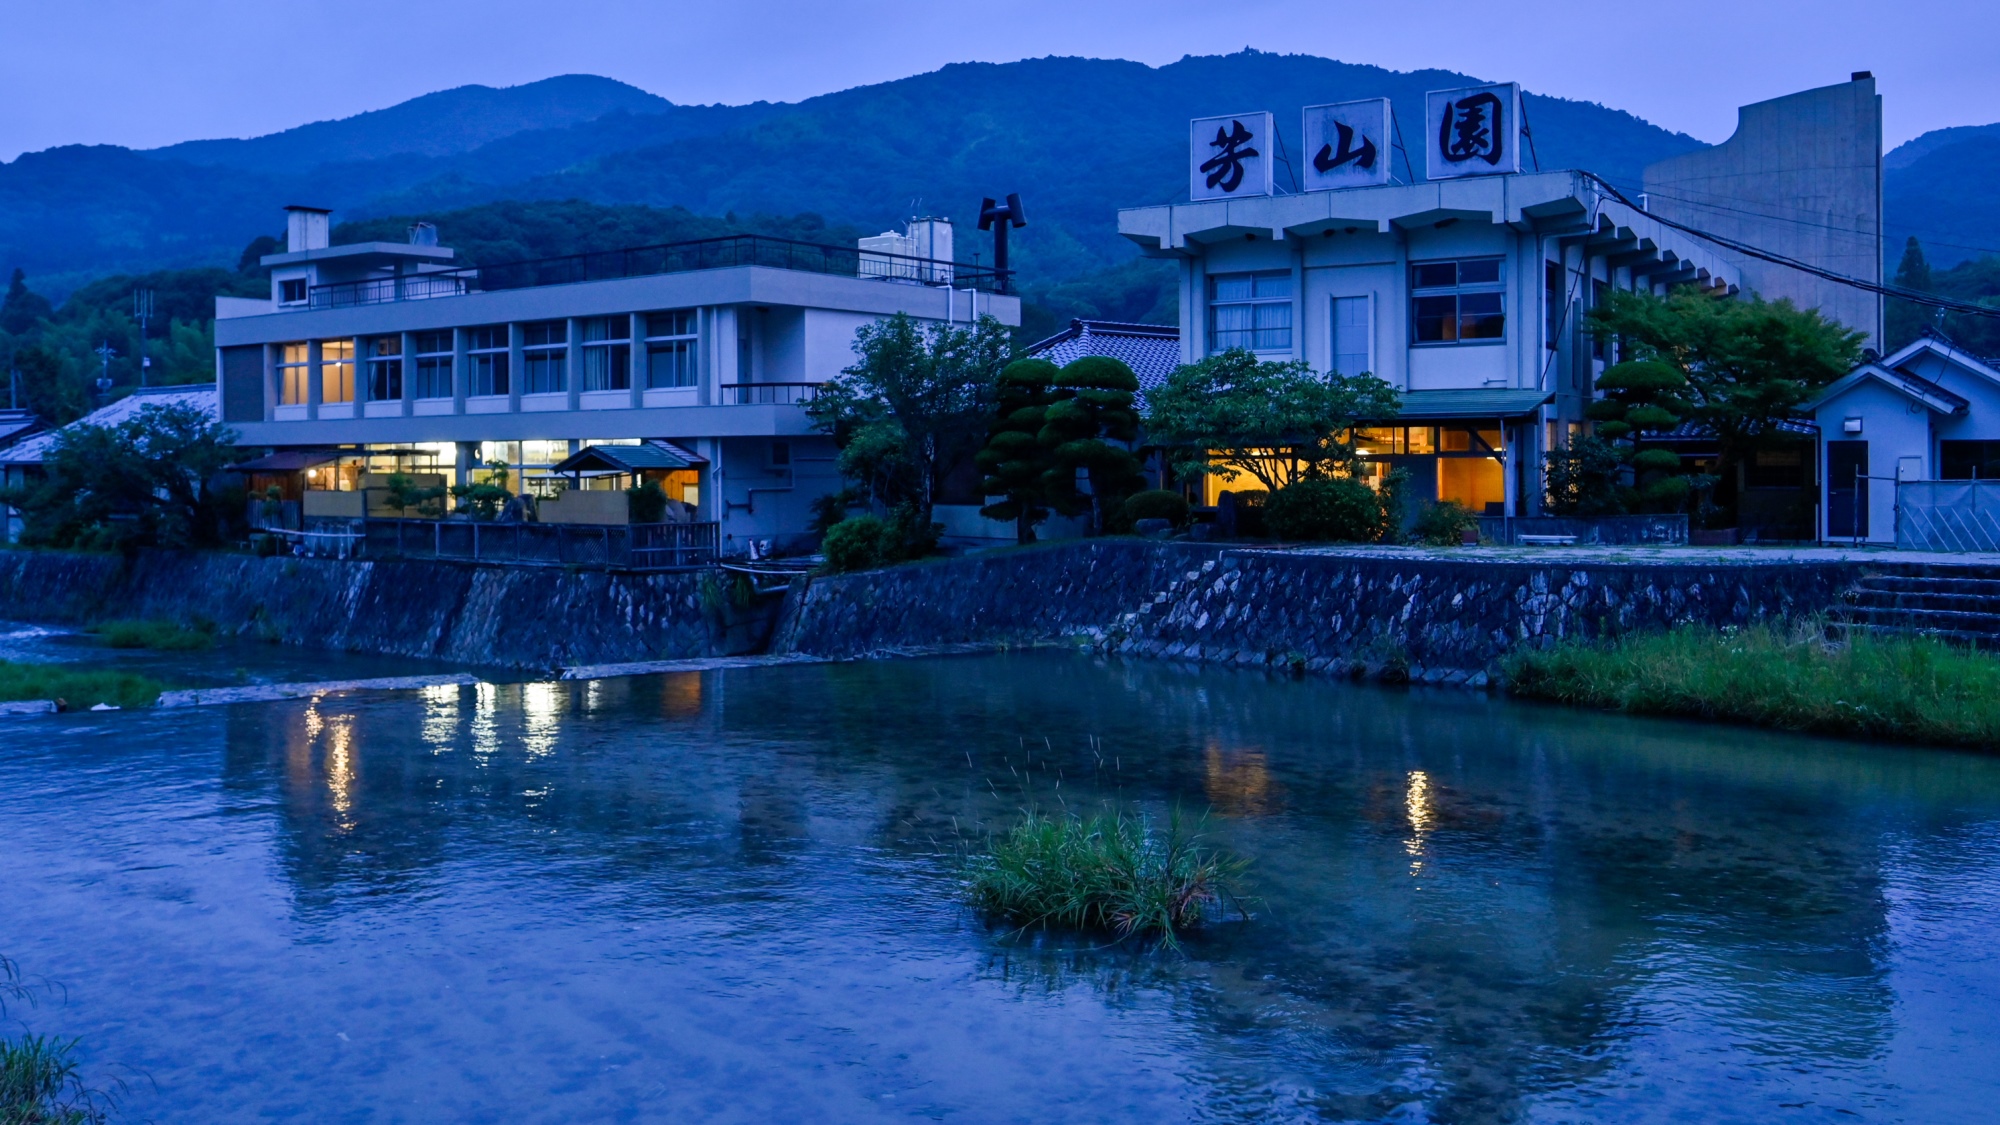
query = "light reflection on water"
{"x": 730, "y": 896}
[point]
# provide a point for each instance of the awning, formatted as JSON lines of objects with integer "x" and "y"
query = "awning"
{"x": 286, "y": 461}
{"x": 1439, "y": 406}
{"x": 648, "y": 456}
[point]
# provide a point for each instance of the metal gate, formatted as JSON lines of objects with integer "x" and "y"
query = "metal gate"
{"x": 1948, "y": 515}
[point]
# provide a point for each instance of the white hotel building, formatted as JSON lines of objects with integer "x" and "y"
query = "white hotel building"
{"x": 1465, "y": 284}
{"x": 375, "y": 357}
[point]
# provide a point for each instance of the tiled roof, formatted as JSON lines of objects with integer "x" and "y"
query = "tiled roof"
{"x": 17, "y": 424}
{"x": 628, "y": 458}
{"x": 30, "y": 451}
{"x": 1152, "y": 351}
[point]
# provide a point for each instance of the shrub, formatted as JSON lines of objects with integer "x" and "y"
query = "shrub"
{"x": 646, "y": 502}
{"x": 1444, "y": 524}
{"x": 855, "y": 543}
{"x": 1111, "y": 872}
{"x": 1154, "y": 504}
{"x": 1343, "y": 510}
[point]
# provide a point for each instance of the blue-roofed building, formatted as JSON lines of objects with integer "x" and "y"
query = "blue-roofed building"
{"x": 1152, "y": 351}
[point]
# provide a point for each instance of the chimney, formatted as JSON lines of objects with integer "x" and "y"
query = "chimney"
{"x": 306, "y": 228}
{"x": 424, "y": 234}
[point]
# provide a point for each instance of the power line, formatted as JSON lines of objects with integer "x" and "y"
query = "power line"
{"x": 1704, "y": 199}
{"x": 1747, "y": 250}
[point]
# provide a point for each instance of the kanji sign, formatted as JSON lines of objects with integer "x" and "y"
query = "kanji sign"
{"x": 1230, "y": 156}
{"x": 1346, "y": 144}
{"x": 1473, "y": 132}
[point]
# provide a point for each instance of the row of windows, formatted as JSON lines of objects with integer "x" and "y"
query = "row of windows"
{"x": 605, "y": 350}
{"x": 1451, "y": 302}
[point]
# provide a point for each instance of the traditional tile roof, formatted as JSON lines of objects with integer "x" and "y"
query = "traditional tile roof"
{"x": 17, "y": 424}
{"x": 30, "y": 451}
{"x": 1152, "y": 351}
{"x": 628, "y": 458}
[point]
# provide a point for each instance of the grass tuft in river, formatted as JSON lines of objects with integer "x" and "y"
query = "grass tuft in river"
{"x": 164, "y": 635}
{"x": 1913, "y": 688}
{"x": 1114, "y": 872}
{"x": 40, "y": 1082}
{"x": 75, "y": 686}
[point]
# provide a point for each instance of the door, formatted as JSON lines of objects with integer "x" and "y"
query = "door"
{"x": 1846, "y": 490}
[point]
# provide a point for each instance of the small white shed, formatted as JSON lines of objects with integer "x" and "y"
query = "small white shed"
{"x": 1930, "y": 411}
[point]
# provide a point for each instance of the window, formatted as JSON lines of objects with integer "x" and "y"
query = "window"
{"x": 670, "y": 354}
{"x": 1456, "y": 302}
{"x": 1353, "y": 335}
{"x": 385, "y": 368}
{"x": 1600, "y": 293}
{"x": 781, "y": 455}
{"x": 292, "y": 292}
{"x": 544, "y": 357}
{"x": 1969, "y": 460}
{"x": 1250, "y": 310}
{"x": 607, "y": 353}
{"x": 336, "y": 371}
{"x": 486, "y": 360}
{"x": 433, "y": 365}
{"x": 1555, "y": 298}
{"x": 293, "y": 372}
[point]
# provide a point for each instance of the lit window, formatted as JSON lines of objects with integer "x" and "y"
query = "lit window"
{"x": 607, "y": 353}
{"x": 670, "y": 349}
{"x": 293, "y": 373}
{"x": 544, "y": 357}
{"x": 1250, "y": 310}
{"x": 336, "y": 371}
{"x": 433, "y": 365}
{"x": 1457, "y": 302}
{"x": 486, "y": 360}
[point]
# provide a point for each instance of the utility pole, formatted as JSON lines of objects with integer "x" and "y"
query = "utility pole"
{"x": 105, "y": 353}
{"x": 142, "y": 311}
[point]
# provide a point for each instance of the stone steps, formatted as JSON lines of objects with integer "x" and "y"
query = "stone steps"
{"x": 1955, "y": 606}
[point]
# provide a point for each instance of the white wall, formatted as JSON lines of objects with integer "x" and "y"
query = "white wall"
{"x": 1894, "y": 428}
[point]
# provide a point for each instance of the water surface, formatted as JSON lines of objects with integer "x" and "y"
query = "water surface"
{"x": 731, "y": 896}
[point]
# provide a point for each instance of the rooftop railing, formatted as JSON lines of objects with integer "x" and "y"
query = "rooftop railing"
{"x": 672, "y": 257}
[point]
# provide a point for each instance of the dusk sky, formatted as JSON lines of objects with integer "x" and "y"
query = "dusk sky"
{"x": 146, "y": 74}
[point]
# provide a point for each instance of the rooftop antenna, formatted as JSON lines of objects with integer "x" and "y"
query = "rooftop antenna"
{"x": 998, "y": 219}
{"x": 142, "y": 311}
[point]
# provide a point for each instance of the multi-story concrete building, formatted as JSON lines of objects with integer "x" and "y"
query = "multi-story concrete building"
{"x": 1465, "y": 285}
{"x": 375, "y": 357}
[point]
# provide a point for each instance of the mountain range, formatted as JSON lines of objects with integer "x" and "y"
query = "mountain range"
{"x": 1078, "y": 138}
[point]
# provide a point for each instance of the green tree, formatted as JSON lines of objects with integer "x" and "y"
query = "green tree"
{"x": 1749, "y": 364}
{"x": 1088, "y": 431}
{"x": 23, "y": 307}
{"x": 1582, "y": 477}
{"x": 1344, "y": 510}
{"x": 45, "y": 388}
{"x": 1015, "y": 462}
{"x": 1904, "y": 321}
{"x": 145, "y": 481}
{"x": 1231, "y": 414}
{"x": 920, "y": 397}
{"x": 1640, "y": 397}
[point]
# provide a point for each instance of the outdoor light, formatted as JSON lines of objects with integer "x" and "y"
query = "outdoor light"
{"x": 1851, "y": 426}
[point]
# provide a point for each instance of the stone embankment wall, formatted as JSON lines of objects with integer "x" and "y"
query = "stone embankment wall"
{"x": 1438, "y": 619}
{"x": 515, "y": 617}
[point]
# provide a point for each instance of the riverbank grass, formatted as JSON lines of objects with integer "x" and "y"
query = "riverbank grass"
{"x": 78, "y": 687}
{"x": 1909, "y": 688}
{"x": 1114, "y": 872}
{"x": 163, "y": 635}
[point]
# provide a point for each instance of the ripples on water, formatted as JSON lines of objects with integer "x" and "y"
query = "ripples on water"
{"x": 730, "y": 896}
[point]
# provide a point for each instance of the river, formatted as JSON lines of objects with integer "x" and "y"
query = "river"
{"x": 732, "y": 896}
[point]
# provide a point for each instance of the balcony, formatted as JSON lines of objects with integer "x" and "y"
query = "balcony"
{"x": 673, "y": 257}
{"x": 769, "y": 394}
